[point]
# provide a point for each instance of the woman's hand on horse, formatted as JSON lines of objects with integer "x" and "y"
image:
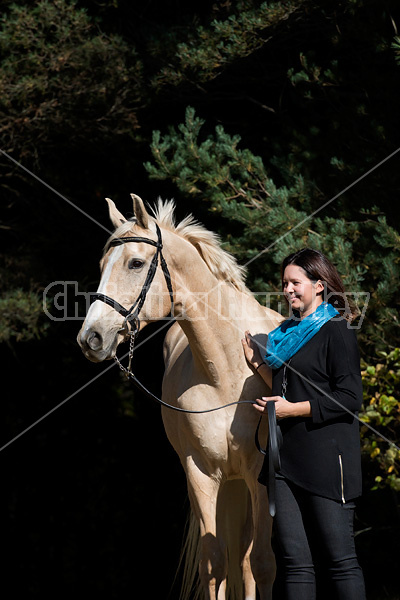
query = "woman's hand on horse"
{"x": 251, "y": 350}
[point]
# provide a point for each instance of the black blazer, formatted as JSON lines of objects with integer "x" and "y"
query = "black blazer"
{"x": 321, "y": 453}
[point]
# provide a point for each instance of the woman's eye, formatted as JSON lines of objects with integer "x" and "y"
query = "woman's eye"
{"x": 135, "y": 263}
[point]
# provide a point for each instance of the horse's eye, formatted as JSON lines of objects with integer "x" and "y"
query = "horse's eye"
{"x": 135, "y": 263}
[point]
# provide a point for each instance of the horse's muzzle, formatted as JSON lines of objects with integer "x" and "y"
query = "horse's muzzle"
{"x": 94, "y": 346}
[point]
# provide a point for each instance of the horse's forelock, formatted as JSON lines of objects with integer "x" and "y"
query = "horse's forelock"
{"x": 119, "y": 232}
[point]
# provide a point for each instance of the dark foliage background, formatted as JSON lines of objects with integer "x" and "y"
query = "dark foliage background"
{"x": 94, "y": 499}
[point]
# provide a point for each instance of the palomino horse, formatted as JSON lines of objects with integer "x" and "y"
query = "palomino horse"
{"x": 205, "y": 368}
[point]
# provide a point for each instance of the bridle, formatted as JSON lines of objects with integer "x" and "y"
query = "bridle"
{"x": 132, "y": 321}
{"x": 131, "y": 316}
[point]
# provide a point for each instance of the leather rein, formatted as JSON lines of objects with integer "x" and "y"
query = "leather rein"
{"x": 131, "y": 319}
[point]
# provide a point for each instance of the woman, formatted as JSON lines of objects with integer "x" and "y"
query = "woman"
{"x": 312, "y": 365}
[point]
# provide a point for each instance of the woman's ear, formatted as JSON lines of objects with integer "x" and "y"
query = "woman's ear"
{"x": 319, "y": 287}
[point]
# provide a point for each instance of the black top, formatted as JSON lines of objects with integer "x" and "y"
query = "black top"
{"x": 321, "y": 453}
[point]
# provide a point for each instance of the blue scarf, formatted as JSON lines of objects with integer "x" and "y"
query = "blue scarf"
{"x": 291, "y": 335}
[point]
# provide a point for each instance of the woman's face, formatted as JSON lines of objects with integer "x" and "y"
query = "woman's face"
{"x": 302, "y": 294}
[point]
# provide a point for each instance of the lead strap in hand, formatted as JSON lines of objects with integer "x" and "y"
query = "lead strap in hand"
{"x": 272, "y": 451}
{"x": 274, "y": 443}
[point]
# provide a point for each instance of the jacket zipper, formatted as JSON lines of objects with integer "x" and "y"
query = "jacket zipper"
{"x": 341, "y": 478}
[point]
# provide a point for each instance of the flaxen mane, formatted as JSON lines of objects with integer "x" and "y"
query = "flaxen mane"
{"x": 207, "y": 243}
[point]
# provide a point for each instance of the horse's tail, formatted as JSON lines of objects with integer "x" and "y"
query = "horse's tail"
{"x": 234, "y": 522}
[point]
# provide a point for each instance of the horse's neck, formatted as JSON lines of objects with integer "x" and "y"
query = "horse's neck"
{"x": 214, "y": 316}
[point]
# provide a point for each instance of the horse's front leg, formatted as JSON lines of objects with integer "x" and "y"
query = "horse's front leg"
{"x": 203, "y": 493}
{"x": 249, "y": 584}
{"x": 262, "y": 558}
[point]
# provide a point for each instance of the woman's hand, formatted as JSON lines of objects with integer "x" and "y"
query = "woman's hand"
{"x": 251, "y": 350}
{"x": 283, "y": 408}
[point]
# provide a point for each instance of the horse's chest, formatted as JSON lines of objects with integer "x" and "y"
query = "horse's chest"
{"x": 205, "y": 431}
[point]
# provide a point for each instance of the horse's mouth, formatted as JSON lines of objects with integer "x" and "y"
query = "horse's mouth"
{"x": 98, "y": 357}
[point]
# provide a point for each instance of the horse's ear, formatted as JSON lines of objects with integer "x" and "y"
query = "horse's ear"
{"x": 115, "y": 216}
{"x": 140, "y": 212}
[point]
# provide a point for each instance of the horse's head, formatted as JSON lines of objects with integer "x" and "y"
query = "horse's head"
{"x": 133, "y": 289}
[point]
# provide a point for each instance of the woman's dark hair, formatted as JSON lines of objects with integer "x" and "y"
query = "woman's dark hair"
{"x": 318, "y": 268}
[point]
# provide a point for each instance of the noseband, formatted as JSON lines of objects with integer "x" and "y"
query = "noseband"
{"x": 131, "y": 316}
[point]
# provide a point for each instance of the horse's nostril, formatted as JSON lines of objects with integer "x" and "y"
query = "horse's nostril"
{"x": 94, "y": 340}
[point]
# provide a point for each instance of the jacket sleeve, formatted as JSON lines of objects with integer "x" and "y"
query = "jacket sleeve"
{"x": 343, "y": 369}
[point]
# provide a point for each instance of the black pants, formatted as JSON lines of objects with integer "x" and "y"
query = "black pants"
{"x": 310, "y": 530}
